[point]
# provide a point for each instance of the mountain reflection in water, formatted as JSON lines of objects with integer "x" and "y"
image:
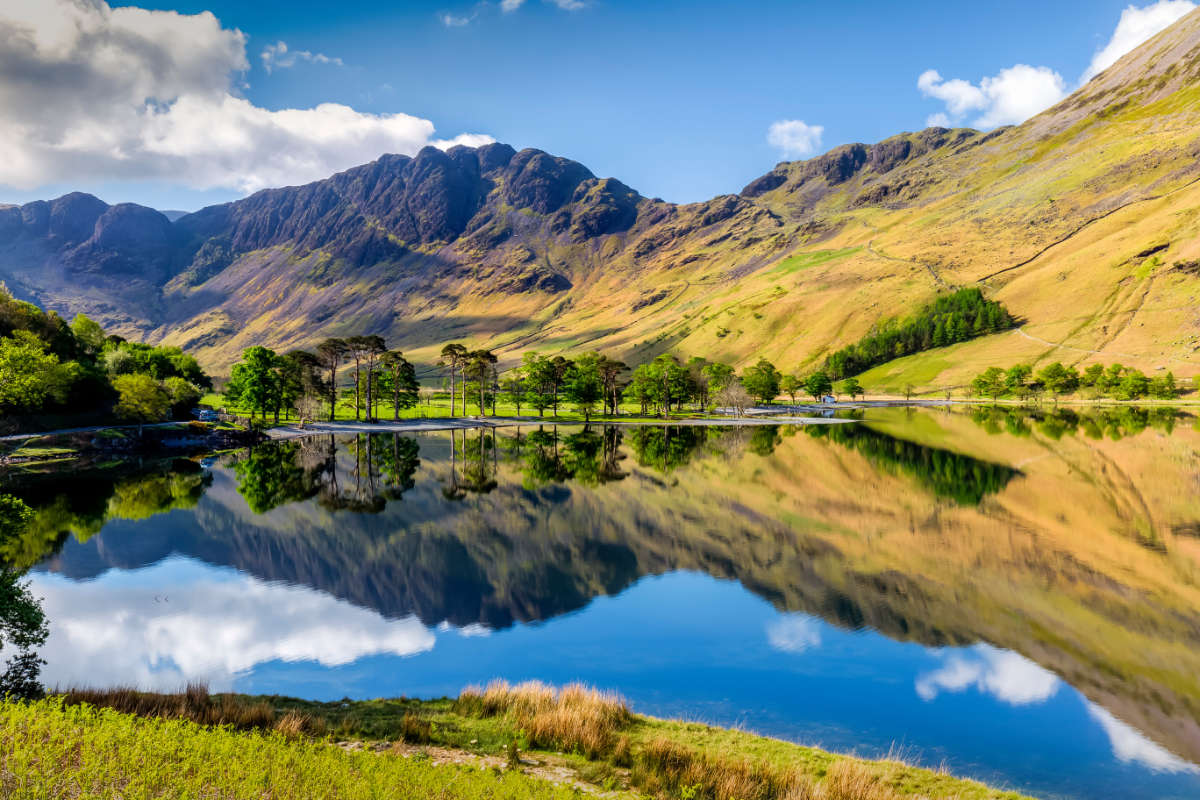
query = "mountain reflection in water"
{"x": 1027, "y": 559}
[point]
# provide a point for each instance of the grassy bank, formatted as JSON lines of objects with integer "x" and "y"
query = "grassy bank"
{"x": 193, "y": 744}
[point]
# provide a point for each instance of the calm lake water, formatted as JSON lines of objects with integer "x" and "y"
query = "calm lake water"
{"x": 1015, "y": 596}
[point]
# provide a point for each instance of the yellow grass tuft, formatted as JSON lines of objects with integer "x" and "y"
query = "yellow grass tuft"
{"x": 575, "y": 718}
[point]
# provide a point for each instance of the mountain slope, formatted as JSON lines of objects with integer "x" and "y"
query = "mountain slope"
{"x": 1082, "y": 221}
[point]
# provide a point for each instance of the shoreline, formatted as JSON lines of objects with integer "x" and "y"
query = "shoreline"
{"x": 432, "y": 424}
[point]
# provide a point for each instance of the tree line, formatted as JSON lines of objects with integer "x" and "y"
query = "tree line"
{"x": 949, "y": 319}
{"x": 1115, "y": 381}
{"x": 48, "y": 366}
{"x": 362, "y": 372}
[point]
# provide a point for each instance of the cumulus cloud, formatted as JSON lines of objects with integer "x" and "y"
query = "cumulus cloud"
{"x": 278, "y": 56}
{"x": 795, "y": 138}
{"x": 1005, "y": 675}
{"x": 181, "y": 621}
{"x": 1015, "y": 94}
{"x": 794, "y": 633}
{"x": 1008, "y": 98}
{"x": 1130, "y": 746}
{"x": 511, "y": 5}
{"x": 1137, "y": 24}
{"x": 93, "y": 92}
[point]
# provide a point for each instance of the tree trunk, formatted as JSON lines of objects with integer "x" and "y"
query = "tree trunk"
{"x": 452, "y": 389}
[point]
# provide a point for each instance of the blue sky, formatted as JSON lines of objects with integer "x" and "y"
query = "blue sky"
{"x": 674, "y": 98}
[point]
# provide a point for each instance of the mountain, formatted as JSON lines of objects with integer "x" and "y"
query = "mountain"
{"x": 1080, "y": 220}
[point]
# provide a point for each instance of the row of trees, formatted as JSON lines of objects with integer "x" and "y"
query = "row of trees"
{"x": 267, "y": 382}
{"x": 949, "y": 319}
{"x": 1116, "y": 381}
{"x": 48, "y": 366}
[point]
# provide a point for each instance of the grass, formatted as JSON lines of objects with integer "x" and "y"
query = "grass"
{"x": 592, "y": 733}
{"x": 51, "y": 750}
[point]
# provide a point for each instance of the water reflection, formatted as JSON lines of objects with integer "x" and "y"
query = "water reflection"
{"x": 1025, "y": 566}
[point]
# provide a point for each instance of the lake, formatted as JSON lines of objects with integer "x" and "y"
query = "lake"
{"x": 1014, "y": 595}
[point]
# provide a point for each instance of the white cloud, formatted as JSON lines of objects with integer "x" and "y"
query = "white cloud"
{"x": 1005, "y": 675}
{"x": 181, "y": 621}
{"x": 278, "y": 56}
{"x": 91, "y": 92}
{"x": 794, "y": 633}
{"x": 794, "y": 138}
{"x": 455, "y": 20}
{"x": 1137, "y": 24}
{"x": 1128, "y": 745}
{"x": 1008, "y": 98}
{"x": 568, "y": 5}
{"x": 511, "y": 5}
{"x": 1022, "y": 91}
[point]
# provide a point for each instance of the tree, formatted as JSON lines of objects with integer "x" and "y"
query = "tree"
{"x": 29, "y": 376}
{"x": 791, "y": 386}
{"x": 512, "y": 388}
{"x": 89, "y": 336}
{"x": 253, "y": 380}
{"x": 1016, "y": 379}
{"x": 852, "y": 387}
{"x": 373, "y": 348}
{"x": 762, "y": 380}
{"x": 478, "y": 366}
{"x": 183, "y": 396}
{"x": 400, "y": 378}
{"x": 22, "y": 622}
{"x": 141, "y": 399}
{"x": 453, "y": 356}
{"x": 734, "y": 395}
{"x": 1164, "y": 388}
{"x": 610, "y": 376}
{"x": 818, "y": 385}
{"x": 989, "y": 383}
{"x": 718, "y": 376}
{"x": 640, "y": 388}
{"x": 559, "y": 367}
{"x": 667, "y": 382}
{"x": 364, "y": 351}
{"x": 1058, "y": 379}
{"x": 297, "y": 376}
{"x": 584, "y": 385}
{"x": 539, "y": 381}
{"x": 330, "y": 353}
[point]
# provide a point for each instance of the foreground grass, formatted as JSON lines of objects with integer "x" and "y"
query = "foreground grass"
{"x": 48, "y": 750}
{"x": 592, "y": 734}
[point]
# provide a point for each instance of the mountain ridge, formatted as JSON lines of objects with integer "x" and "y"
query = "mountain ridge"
{"x": 515, "y": 249}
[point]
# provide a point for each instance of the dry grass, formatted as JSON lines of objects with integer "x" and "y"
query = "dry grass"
{"x": 666, "y": 768}
{"x": 197, "y": 705}
{"x": 575, "y": 718}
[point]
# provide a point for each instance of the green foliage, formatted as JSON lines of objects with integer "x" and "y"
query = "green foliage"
{"x": 31, "y": 377}
{"x": 762, "y": 381}
{"x": 584, "y": 385}
{"x": 949, "y": 319}
{"x": 22, "y": 623}
{"x": 49, "y": 366}
{"x": 141, "y": 399}
{"x": 1115, "y": 381}
{"x": 818, "y": 385}
{"x": 851, "y": 387}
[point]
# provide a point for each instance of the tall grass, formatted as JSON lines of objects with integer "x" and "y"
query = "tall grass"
{"x": 195, "y": 704}
{"x": 575, "y": 718}
{"x": 669, "y": 769}
{"x": 52, "y": 750}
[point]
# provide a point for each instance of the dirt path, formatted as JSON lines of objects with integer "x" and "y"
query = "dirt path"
{"x": 544, "y": 767}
